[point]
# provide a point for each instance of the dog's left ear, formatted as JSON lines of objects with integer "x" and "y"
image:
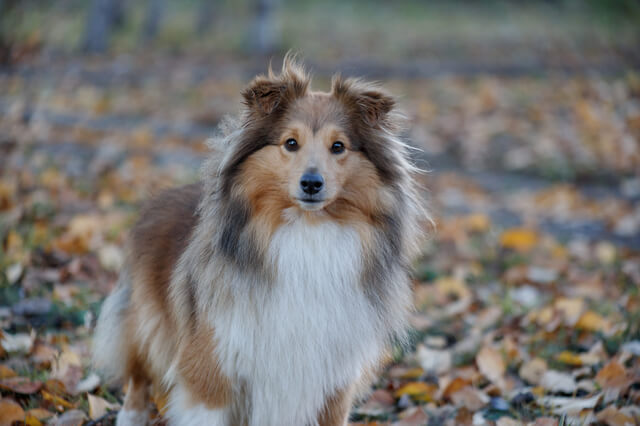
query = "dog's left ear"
{"x": 371, "y": 103}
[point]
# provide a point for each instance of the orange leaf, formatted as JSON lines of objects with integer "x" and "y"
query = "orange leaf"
{"x": 10, "y": 411}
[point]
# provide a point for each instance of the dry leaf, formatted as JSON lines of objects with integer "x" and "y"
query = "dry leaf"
{"x": 21, "y": 385}
{"x": 519, "y": 239}
{"x": 418, "y": 391}
{"x": 557, "y": 381}
{"x": 614, "y": 417}
{"x": 40, "y": 413}
{"x": 471, "y": 398}
{"x": 98, "y": 407}
{"x": 432, "y": 360}
{"x": 10, "y": 411}
{"x": 592, "y": 321}
{"x": 571, "y": 406}
{"x": 490, "y": 363}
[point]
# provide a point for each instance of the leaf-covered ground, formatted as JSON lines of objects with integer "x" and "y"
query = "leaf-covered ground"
{"x": 527, "y": 292}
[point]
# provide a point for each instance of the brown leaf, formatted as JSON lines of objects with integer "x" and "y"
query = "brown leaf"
{"x": 21, "y": 385}
{"x": 40, "y": 413}
{"x": 533, "y": 370}
{"x": 454, "y": 386}
{"x": 614, "y": 417}
{"x": 10, "y": 411}
{"x": 471, "y": 398}
{"x": 6, "y": 372}
{"x": 490, "y": 363}
{"x": 614, "y": 379}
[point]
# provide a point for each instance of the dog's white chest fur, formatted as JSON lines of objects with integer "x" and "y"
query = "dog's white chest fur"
{"x": 307, "y": 335}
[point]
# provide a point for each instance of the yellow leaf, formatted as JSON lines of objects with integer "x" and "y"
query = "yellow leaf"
{"x": 412, "y": 373}
{"x": 569, "y": 358}
{"x": 418, "y": 391}
{"x": 520, "y": 239}
{"x": 30, "y": 420}
{"x": 59, "y": 403}
{"x": 592, "y": 321}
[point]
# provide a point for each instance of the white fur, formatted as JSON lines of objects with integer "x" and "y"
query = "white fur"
{"x": 108, "y": 354}
{"x": 132, "y": 418}
{"x": 307, "y": 335}
{"x": 181, "y": 412}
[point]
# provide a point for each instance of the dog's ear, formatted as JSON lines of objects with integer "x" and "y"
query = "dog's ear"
{"x": 371, "y": 103}
{"x": 265, "y": 94}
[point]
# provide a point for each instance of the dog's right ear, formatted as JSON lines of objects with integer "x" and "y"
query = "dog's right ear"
{"x": 265, "y": 94}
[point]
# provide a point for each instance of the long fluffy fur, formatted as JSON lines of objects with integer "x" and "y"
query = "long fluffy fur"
{"x": 247, "y": 309}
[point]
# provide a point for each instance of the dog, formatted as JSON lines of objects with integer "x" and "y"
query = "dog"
{"x": 270, "y": 292}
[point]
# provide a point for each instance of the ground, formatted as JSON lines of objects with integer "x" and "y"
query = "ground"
{"x": 527, "y": 292}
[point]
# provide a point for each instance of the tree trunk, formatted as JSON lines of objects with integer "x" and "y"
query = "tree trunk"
{"x": 266, "y": 34}
{"x": 155, "y": 13}
{"x": 98, "y": 26}
{"x": 206, "y": 12}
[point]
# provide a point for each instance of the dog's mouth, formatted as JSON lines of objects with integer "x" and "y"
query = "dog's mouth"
{"x": 309, "y": 203}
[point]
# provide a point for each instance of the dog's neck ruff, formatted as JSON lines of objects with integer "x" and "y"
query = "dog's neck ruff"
{"x": 313, "y": 331}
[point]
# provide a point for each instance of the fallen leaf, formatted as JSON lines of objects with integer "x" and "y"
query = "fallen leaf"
{"x": 418, "y": 391}
{"x": 454, "y": 386}
{"x": 571, "y": 406}
{"x": 98, "y": 407}
{"x": 557, "y": 381}
{"x": 20, "y": 342}
{"x": 519, "y": 239}
{"x": 490, "y": 363}
{"x": 6, "y": 372}
{"x": 40, "y": 413}
{"x": 614, "y": 379}
{"x": 569, "y": 358}
{"x": 614, "y": 417}
{"x": 58, "y": 402}
{"x": 21, "y": 385}
{"x": 508, "y": 421}
{"x": 10, "y": 411}
{"x": 471, "y": 398}
{"x": 432, "y": 360}
{"x": 70, "y": 418}
{"x": 591, "y": 321}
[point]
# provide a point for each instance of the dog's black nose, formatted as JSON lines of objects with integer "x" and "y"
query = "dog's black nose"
{"x": 311, "y": 183}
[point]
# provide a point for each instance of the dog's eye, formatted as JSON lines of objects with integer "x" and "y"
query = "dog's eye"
{"x": 291, "y": 145}
{"x": 337, "y": 147}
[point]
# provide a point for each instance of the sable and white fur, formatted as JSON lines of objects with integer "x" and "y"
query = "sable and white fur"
{"x": 248, "y": 305}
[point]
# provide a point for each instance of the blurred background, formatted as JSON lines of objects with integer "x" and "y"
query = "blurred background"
{"x": 527, "y": 116}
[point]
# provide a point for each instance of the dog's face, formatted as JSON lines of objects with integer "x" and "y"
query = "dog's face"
{"x": 315, "y": 154}
{"x": 310, "y": 150}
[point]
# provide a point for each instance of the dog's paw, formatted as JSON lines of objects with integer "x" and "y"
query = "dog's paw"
{"x": 132, "y": 418}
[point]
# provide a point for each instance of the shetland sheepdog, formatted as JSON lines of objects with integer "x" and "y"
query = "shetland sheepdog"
{"x": 270, "y": 292}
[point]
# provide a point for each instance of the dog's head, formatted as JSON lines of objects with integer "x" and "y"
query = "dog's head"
{"x": 319, "y": 152}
